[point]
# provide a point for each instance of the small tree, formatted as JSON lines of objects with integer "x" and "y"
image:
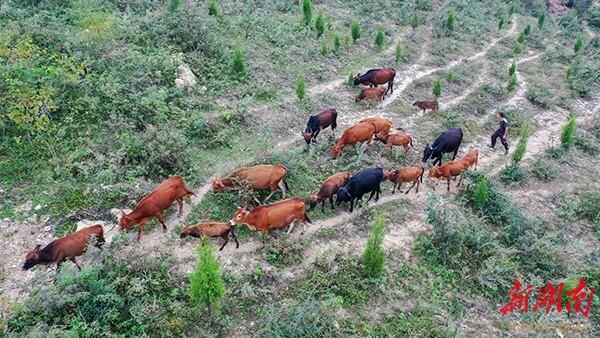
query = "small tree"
{"x": 527, "y": 30}
{"x": 450, "y": 21}
{"x": 521, "y": 38}
{"x": 350, "y": 80}
{"x": 239, "y": 65}
{"x": 355, "y": 30}
{"x": 450, "y": 76}
{"x": 307, "y": 11}
{"x": 481, "y": 194}
{"x": 206, "y": 286}
{"x": 379, "y": 39}
{"x": 374, "y": 257}
{"x": 541, "y": 20}
{"x": 300, "y": 87}
{"x": 399, "y": 54}
{"x": 414, "y": 21}
{"x": 512, "y": 82}
{"x": 212, "y": 8}
{"x": 578, "y": 43}
{"x": 320, "y": 24}
{"x": 500, "y": 23}
{"x": 173, "y": 5}
{"x": 336, "y": 43}
{"x": 437, "y": 88}
{"x": 512, "y": 10}
{"x": 567, "y": 135}
{"x": 513, "y": 69}
{"x": 324, "y": 48}
{"x": 522, "y": 145}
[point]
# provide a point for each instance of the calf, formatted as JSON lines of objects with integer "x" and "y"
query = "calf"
{"x": 328, "y": 189}
{"x": 320, "y": 121}
{"x": 395, "y": 140}
{"x": 448, "y": 170}
{"x": 264, "y": 176}
{"x": 67, "y": 247}
{"x": 406, "y": 174}
{"x": 211, "y": 229}
{"x": 472, "y": 157}
{"x": 447, "y": 142}
{"x": 382, "y": 125}
{"x": 376, "y": 77}
{"x": 433, "y": 105}
{"x": 153, "y": 205}
{"x": 360, "y": 133}
{"x": 367, "y": 180}
{"x": 369, "y": 94}
{"x": 276, "y": 215}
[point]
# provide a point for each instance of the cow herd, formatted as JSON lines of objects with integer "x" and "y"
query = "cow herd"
{"x": 344, "y": 186}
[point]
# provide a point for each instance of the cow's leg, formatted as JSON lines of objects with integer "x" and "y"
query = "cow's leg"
{"x": 226, "y": 239}
{"x": 455, "y": 152}
{"x": 291, "y": 227}
{"x": 331, "y": 202}
{"x": 256, "y": 199}
{"x": 414, "y": 182}
{"x": 232, "y": 231}
{"x": 460, "y": 181}
{"x": 75, "y": 262}
{"x": 372, "y": 194}
{"x": 281, "y": 186}
{"x": 180, "y": 202}
{"x": 352, "y": 205}
{"x": 162, "y": 221}
{"x": 448, "y": 183}
{"x": 418, "y": 184}
{"x": 140, "y": 231}
{"x": 57, "y": 271}
{"x": 273, "y": 193}
{"x": 323, "y": 205}
{"x": 316, "y": 134}
{"x": 378, "y": 192}
{"x": 394, "y": 190}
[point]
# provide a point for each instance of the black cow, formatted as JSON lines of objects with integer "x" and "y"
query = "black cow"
{"x": 375, "y": 77}
{"x": 320, "y": 121}
{"x": 447, "y": 142}
{"x": 367, "y": 180}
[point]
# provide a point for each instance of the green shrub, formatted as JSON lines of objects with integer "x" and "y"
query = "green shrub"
{"x": 541, "y": 19}
{"x": 543, "y": 171}
{"x": 512, "y": 10}
{"x": 450, "y": 77}
{"x": 307, "y": 12}
{"x": 512, "y": 82}
{"x": 594, "y": 16}
{"x": 173, "y": 5}
{"x": 500, "y": 23}
{"x": 336, "y": 43}
{"x": 540, "y": 94}
{"x": 414, "y": 21}
{"x": 379, "y": 39}
{"x": 521, "y": 38}
{"x": 324, "y": 48}
{"x": 519, "y": 152}
{"x": 513, "y": 69}
{"x": 579, "y": 43}
{"x": 512, "y": 174}
{"x": 212, "y": 8}
{"x": 373, "y": 257}
{"x": 399, "y": 53}
{"x": 567, "y": 135}
{"x": 355, "y": 30}
{"x": 527, "y": 30}
{"x": 300, "y": 87}
{"x": 239, "y": 65}
{"x": 450, "y": 20}
{"x": 481, "y": 194}
{"x": 283, "y": 252}
{"x": 320, "y": 24}
{"x": 306, "y": 318}
{"x": 350, "y": 81}
{"x": 437, "y": 88}
{"x": 206, "y": 285}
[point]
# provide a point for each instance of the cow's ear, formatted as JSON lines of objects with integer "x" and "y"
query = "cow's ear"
{"x": 37, "y": 248}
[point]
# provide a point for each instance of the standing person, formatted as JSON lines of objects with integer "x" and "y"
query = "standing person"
{"x": 501, "y": 132}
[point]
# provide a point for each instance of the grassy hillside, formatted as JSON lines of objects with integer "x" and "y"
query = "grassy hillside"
{"x": 92, "y": 119}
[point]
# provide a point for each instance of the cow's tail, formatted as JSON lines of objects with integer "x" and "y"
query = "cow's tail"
{"x": 306, "y": 218}
{"x": 422, "y": 172}
{"x": 334, "y": 119}
{"x": 189, "y": 192}
{"x": 411, "y": 142}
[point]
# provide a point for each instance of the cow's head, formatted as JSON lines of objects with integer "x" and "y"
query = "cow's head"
{"x": 357, "y": 79}
{"x": 358, "y": 97}
{"x": 416, "y": 102}
{"x": 335, "y": 152}
{"x": 381, "y": 136}
{"x": 388, "y": 175}
{"x": 217, "y": 186}
{"x": 312, "y": 201}
{"x": 188, "y": 231}
{"x": 427, "y": 153}
{"x": 32, "y": 258}
{"x": 342, "y": 196}
{"x": 307, "y": 136}
{"x": 239, "y": 216}
{"x": 126, "y": 222}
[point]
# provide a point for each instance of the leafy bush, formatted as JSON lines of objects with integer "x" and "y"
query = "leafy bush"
{"x": 512, "y": 82}
{"x": 379, "y": 39}
{"x": 173, "y": 5}
{"x": 283, "y": 252}
{"x": 512, "y": 174}
{"x": 579, "y": 43}
{"x": 414, "y": 21}
{"x": 373, "y": 257}
{"x": 324, "y": 48}
{"x": 355, "y": 30}
{"x": 540, "y": 94}
{"x": 239, "y": 65}
{"x": 543, "y": 171}
{"x": 541, "y": 19}
{"x": 481, "y": 194}
{"x": 450, "y": 20}
{"x": 336, "y": 43}
{"x": 583, "y": 205}
{"x": 300, "y": 319}
{"x": 519, "y": 152}
{"x": 300, "y": 87}
{"x": 567, "y": 135}
{"x": 437, "y": 88}
{"x": 212, "y": 8}
{"x": 320, "y": 24}
{"x": 307, "y": 12}
{"x": 500, "y": 23}
{"x": 527, "y": 30}
{"x": 206, "y": 286}
{"x": 512, "y": 69}
{"x": 399, "y": 53}
{"x": 521, "y": 38}
{"x": 594, "y": 16}
{"x": 350, "y": 81}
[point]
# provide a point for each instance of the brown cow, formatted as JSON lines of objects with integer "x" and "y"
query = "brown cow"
{"x": 433, "y": 105}
{"x": 320, "y": 121}
{"x": 276, "y": 215}
{"x": 67, "y": 247}
{"x": 448, "y": 170}
{"x": 405, "y": 174}
{"x": 381, "y": 125}
{"x": 395, "y": 140}
{"x": 271, "y": 176}
{"x": 328, "y": 189}
{"x": 375, "y": 77}
{"x": 153, "y": 205}
{"x": 211, "y": 229}
{"x": 472, "y": 157}
{"x": 362, "y": 132}
{"x": 369, "y": 94}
